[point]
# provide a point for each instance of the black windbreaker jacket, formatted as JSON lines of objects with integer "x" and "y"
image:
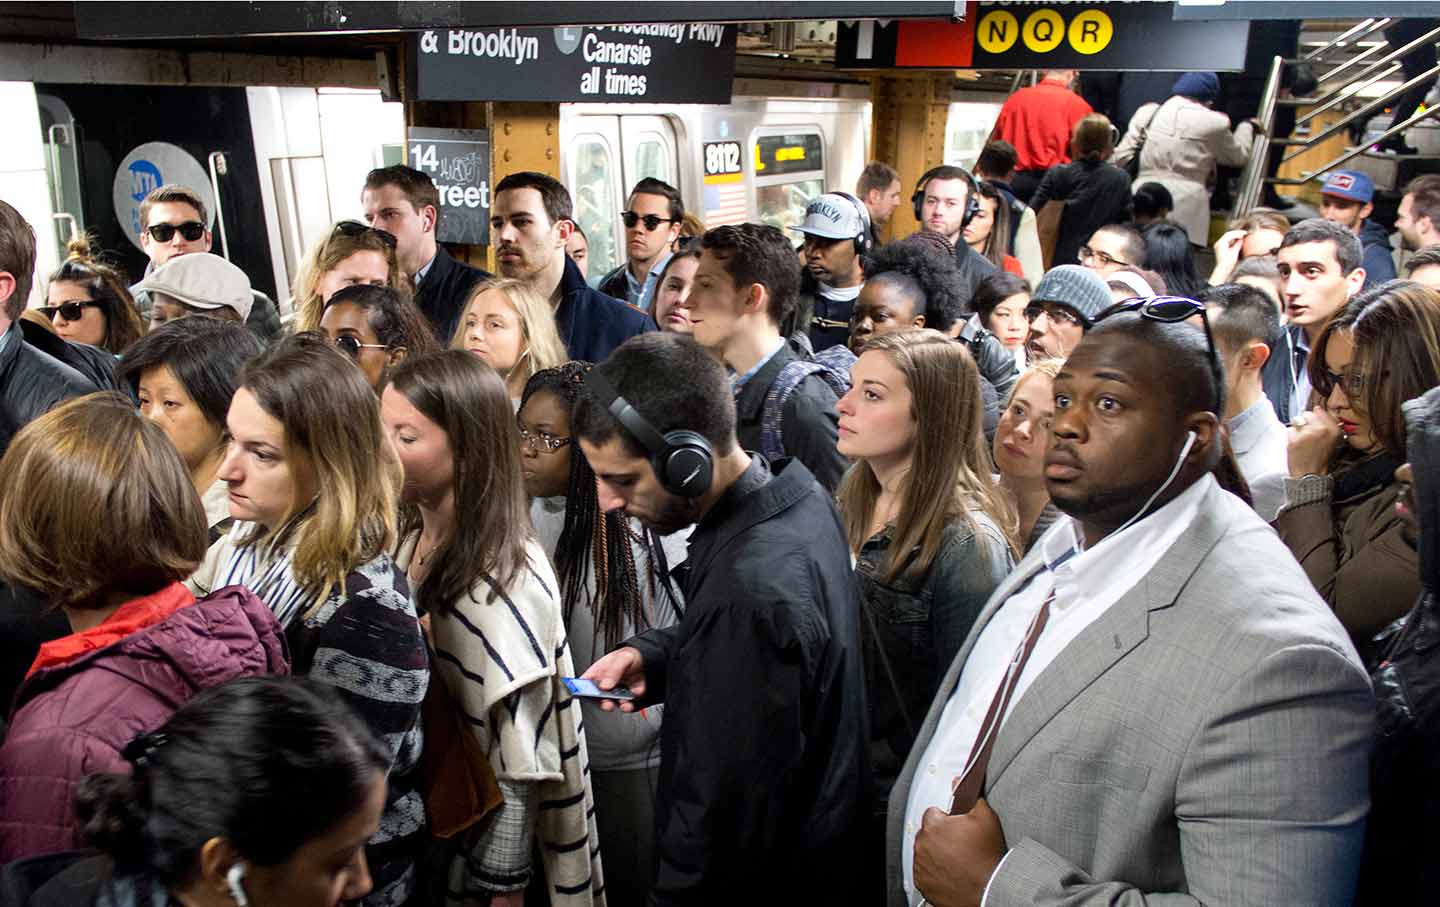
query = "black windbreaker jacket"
{"x": 763, "y": 772}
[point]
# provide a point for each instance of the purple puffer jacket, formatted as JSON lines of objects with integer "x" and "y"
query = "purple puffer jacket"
{"x": 73, "y": 720}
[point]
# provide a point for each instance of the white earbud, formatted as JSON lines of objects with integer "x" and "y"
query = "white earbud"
{"x": 1190, "y": 439}
{"x": 233, "y": 878}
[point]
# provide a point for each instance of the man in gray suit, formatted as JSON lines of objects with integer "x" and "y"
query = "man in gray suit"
{"x": 1186, "y": 722}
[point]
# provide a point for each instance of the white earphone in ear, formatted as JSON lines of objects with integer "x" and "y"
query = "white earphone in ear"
{"x": 233, "y": 878}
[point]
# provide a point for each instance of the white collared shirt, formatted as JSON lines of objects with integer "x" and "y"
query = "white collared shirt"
{"x": 1261, "y": 446}
{"x": 1086, "y": 583}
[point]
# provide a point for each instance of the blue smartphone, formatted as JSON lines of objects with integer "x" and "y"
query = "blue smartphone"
{"x": 587, "y": 689}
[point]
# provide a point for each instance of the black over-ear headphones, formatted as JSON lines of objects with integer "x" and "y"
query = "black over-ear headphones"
{"x": 683, "y": 460}
{"x": 862, "y": 241}
{"x": 972, "y": 200}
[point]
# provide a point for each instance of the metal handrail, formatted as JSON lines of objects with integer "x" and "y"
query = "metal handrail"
{"x": 1350, "y": 62}
{"x": 1358, "y": 150}
{"x": 1342, "y": 95}
{"x": 1252, "y": 177}
{"x": 1335, "y": 42}
{"x": 1364, "y": 110}
{"x": 1429, "y": 37}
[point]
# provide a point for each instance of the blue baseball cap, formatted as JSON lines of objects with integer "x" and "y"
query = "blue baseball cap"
{"x": 1349, "y": 184}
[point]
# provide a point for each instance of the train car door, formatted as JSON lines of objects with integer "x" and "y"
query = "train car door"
{"x": 609, "y": 155}
{"x": 789, "y": 164}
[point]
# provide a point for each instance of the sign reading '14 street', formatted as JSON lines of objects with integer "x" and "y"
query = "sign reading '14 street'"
{"x": 683, "y": 63}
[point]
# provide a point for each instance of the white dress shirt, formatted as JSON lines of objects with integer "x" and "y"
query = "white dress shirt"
{"x": 1261, "y": 446}
{"x": 1086, "y": 583}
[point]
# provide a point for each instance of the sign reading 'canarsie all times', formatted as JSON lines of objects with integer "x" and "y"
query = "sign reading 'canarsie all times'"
{"x": 681, "y": 63}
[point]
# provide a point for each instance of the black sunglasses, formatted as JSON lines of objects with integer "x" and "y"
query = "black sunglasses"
{"x": 1173, "y": 310}
{"x": 351, "y": 346}
{"x": 652, "y": 221}
{"x": 353, "y": 228}
{"x": 70, "y": 311}
{"x": 191, "y": 230}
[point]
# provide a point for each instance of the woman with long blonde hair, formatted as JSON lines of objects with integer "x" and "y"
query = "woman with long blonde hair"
{"x": 930, "y": 531}
{"x": 512, "y": 328}
{"x": 314, "y": 489}
{"x": 352, "y": 254}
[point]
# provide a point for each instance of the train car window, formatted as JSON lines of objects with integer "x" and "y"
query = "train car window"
{"x": 776, "y": 155}
{"x": 789, "y": 168}
{"x": 967, "y": 129}
{"x": 596, "y": 207}
{"x": 653, "y": 159}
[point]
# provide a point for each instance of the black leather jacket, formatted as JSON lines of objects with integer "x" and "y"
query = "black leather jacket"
{"x": 1403, "y": 830}
{"x": 31, "y": 383}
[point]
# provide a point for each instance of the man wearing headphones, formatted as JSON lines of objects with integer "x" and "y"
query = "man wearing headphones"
{"x": 763, "y": 772}
{"x": 945, "y": 201}
{"x": 837, "y": 232}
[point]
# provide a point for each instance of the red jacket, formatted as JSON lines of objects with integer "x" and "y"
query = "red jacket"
{"x": 1037, "y": 121}
{"x": 74, "y": 715}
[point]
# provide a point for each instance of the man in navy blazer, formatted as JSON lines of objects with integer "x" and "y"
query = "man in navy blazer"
{"x": 530, "y": 222}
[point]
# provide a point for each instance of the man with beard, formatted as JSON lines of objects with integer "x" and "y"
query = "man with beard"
{"x": 530, "y": 223}
{"x": 944, "y": 203}
{"x": 1347, "y": 199}
{"x": 1419, "y": 217}
{"x": 762, "y": 752}
{"x": 1171, "y": 713}
{"x": 837, "y": 232}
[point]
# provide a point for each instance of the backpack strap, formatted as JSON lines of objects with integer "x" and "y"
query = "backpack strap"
{"x": 772, "y": 445}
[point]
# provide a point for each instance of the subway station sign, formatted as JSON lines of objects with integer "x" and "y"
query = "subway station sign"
{"x": 678, "y": 63}
{"x": 1108, "y": 36}
{"x": 458, "y": 160}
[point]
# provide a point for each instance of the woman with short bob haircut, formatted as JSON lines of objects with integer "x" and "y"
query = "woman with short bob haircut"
{"x": 931, "y": 533}
{"x": 1339, "y": 516}
{"x": 314, "y": 487}
{"x": 262, "y": 791}
{"x": 509, "y": 326}
{"x": 495, "y": 622}
{"x": 184, "y": 373}
{"x": 98, "y": 516}
{"x": 352, "y": 254}
{"x": 377, "y": 328}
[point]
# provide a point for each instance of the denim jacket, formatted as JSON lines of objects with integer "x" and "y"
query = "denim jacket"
{"x": 913, "y": 628}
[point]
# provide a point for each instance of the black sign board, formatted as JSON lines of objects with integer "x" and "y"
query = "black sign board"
{"x": 674, "y": 63}
{"x": 1061, "y": 35}
{"x": 156, "y": 19}
{"x": 1286, "y": 9}
{"x": 458, "y": 160}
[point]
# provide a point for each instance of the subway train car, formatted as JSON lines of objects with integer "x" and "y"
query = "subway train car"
{"x": 278, "y": 166}
{"x": 757, "y": 159}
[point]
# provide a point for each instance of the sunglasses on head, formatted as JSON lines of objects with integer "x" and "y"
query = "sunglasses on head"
{"x": 652, "y": 221}
{"x": 191, "y": 230}
{"x": 351, "y": 346}
{"x": 353, "y": 228}
{"x": 1173, "y": 310}
{"x": 70, "y": 311}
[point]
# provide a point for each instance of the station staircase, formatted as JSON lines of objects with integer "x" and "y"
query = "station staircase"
{"x": 1348, "y": 64}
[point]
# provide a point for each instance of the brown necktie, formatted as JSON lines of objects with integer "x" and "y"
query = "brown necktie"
{"x": 970, "y": 785}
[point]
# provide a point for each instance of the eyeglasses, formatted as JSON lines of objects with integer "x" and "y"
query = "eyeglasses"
{"x": 351, "y": 346}
{"x": 1353, "y": 383}
{"x": 652, "y": 221}
{"x": 1057, "y": 313}
{"x": 353, "y": 228}
{"x": 538, "y": 441}
{"x": 1105, "y": 259}
{"x": 70, "y": 311}
{"x": 191, "y": 230}
{"x": 1173, "y": 310}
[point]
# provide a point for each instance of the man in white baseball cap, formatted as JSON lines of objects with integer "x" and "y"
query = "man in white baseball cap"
{"x": 197, "y": 284}
{"x": 837, "y": 234}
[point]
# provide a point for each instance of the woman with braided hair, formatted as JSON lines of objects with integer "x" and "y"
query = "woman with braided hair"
{"x": 614, "y": 583}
